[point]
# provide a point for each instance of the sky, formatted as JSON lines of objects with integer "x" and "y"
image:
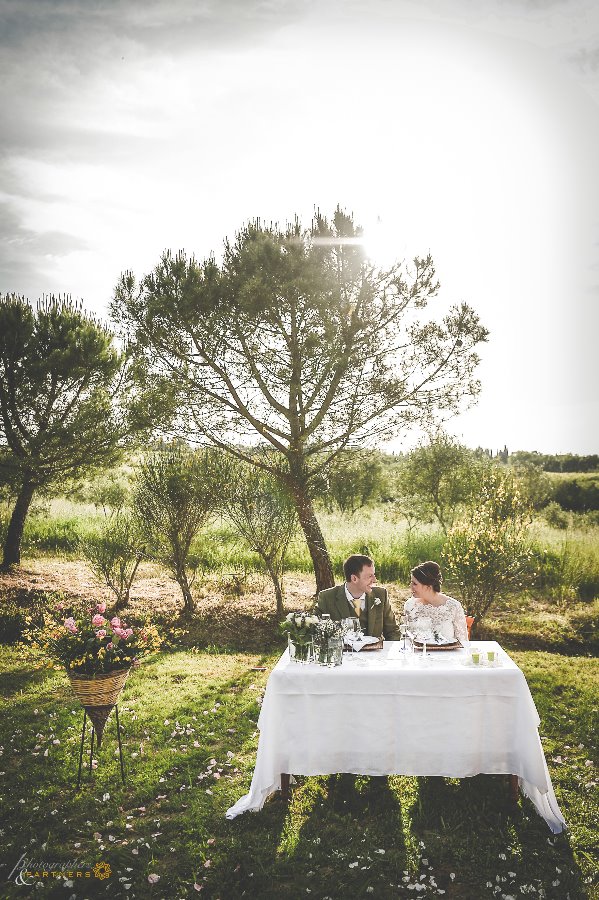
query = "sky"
{"x": 464, "y": 128}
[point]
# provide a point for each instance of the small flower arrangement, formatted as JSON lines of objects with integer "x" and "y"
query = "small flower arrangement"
{"x": 376, "y": 601}
{"x": 299, "y": 626}
{"x": 94, "y": 645}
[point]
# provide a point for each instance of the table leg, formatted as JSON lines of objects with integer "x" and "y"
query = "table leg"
{"x": 285, "y": 787}
{"x": 513, "y": 779}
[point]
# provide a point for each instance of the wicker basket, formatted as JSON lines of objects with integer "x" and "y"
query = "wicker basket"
{"x": 98, "y": 694}
{"x": 99, "y": 690}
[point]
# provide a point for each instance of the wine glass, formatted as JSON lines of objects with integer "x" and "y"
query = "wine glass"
{"x": 403, "y": 630}
{"x": 353, "y": 627}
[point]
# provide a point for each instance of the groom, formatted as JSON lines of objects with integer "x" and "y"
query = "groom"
{"x": 359, "y": 596}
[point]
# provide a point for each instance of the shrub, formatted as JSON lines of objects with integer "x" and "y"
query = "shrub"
{"x": 577, "y": 494}
{"x": 555, "y": 516}
{"x": 114, "y": 554}
{"x": 264, "y": 514}
{"x": 176, "y": 493}
{"x": 487, "y": 550}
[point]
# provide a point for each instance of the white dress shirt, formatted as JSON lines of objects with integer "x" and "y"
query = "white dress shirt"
{"x": 352, "y": 599}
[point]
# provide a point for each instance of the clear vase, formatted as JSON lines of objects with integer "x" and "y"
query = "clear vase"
{"x": 301, "y": 653}
{"x": 329, "y": 651}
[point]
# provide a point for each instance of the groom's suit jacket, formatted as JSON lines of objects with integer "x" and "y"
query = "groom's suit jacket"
{"x": 377, "y": 619}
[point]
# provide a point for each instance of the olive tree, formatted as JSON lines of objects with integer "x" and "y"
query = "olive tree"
{"x": 176, "y": 493}
{"x": 114, "y": 553}
{"x": 353, "y": 480}
{"x": 435, "y": 481}
{"x": 264, "y": 514}
{"x": 297, "y": 342}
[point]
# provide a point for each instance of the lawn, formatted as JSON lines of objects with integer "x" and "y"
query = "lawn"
{"x": 190, "y": 739}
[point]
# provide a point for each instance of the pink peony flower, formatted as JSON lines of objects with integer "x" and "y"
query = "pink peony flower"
{"x": 109, "y": 646}
{"x": 70, "y": 625}
{"x": 101, "y": 607}
{"x": 116, "y": 622}
{"x": 123, "y": 633}
{"x": 98, "y": 620}
{"x": 101, "y": 633}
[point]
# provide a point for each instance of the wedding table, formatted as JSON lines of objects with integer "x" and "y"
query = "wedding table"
{"x": 383, "y": 713}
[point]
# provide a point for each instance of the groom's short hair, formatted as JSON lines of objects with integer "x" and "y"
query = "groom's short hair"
{"x": 354, "y": 564}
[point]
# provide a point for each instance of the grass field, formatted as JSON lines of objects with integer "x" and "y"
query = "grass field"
{"x": 189, "y": 723}
{"x": 190, "y": 739}
{"x": 565, "y": 564}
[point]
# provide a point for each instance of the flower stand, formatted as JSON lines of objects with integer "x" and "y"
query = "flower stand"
{"x": 98, "y": 694}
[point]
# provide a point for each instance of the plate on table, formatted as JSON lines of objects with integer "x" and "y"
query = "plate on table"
{"x": 378, "y": 645}
{"x": 455, "y": 645}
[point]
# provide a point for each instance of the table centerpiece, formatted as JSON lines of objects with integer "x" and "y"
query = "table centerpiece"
{"x": 299, "y": 628}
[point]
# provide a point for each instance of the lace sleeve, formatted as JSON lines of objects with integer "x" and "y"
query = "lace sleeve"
{"x": 459, "y": 623}
{"x": 408, "y": 608}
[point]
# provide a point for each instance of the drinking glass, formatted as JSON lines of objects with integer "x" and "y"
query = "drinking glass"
{"x": 403, "y": 630}
{"x": 354, "y": 628}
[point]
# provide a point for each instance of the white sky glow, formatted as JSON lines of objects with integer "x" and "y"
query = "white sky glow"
{"x": 473, "y": 135}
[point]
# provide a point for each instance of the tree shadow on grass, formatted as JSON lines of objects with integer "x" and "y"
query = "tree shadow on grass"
{"x": 17, "y": 681}
{"x": 340, "y": 835}
{"x": 498, "y": 839}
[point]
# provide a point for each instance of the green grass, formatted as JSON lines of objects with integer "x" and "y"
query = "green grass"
{"x": 188, "y": 716}
{"x": 565, "y": 565}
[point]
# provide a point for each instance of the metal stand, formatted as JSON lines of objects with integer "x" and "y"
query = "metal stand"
{"x": 91, "y": 752}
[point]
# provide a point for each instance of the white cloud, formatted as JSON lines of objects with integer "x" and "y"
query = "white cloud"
{"x": 468, "y": 128}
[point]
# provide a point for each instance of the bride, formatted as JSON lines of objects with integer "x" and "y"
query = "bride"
{"x": 429, "y": 611}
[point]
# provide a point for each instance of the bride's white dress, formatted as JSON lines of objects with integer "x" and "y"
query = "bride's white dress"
{"x": 448, "y": 619}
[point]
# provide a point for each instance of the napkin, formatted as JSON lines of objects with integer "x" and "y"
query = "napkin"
{"x": 438, "y": 641}
{"x": 357, "y": 641}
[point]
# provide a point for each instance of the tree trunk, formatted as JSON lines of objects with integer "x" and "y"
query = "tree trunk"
{"x": 14, "y": 534}
{"x": 323, "y": 568}
{"x": 278, "y": 586}
{"x": 181, "y": 577}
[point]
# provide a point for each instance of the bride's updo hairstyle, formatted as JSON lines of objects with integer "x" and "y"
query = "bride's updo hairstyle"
{"x": 429, "y": 573}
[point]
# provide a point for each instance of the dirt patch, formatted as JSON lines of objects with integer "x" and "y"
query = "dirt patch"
{"x": 231, "y": 611}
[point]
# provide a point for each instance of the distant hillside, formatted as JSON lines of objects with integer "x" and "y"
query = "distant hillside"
{"x": 566, "y": 462}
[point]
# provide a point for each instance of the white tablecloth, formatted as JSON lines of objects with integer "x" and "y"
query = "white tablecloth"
{"x": 382, "y": 715}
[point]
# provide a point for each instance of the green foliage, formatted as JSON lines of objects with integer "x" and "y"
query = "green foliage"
{"x": 487, "y": 550}
{"x": 114, "y": 553}
{"x": 57, "y": 370}
{"x": 44, "y": 534}
{"x": 109, "y": 491}
{"x": 534, "y": 485}
{"x": 60, "y": 378}
{"x": 297, "y": 340}
{"x": 567, "y": 569}
{"x": 353, "y": 480}
{"x": 264, "y": 514}
{"x": 579, "y": 494}
{"x": 177, "y": 492}
{"x": 550, "y": 462}
{"x": 435, "y": 481}
{"x": 555, "y": 516}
